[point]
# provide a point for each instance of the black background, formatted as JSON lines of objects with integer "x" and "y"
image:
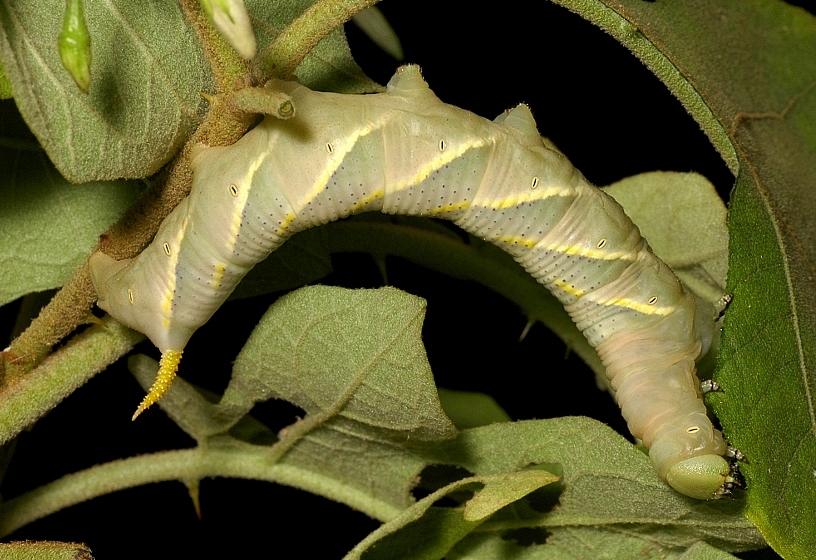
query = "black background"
{"x": 599, "y": 104}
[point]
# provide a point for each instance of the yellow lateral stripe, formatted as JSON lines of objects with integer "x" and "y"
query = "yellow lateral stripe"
{"x": 626, "y": 303}
{"x": 337, "y": 159}
{"x": 219, "y": 274}
{"x": 530, "y": 195}
{"x": 367, "y": 200}
{"x": 591, "y": 253}
{"x": 644, "y": 308}
{"x": 172, "y": 263}
{"x": 450, "y": 208}
{"x": 348, "y": 145}
{"x": 243, "y": 196}
{"x": 568, "y": 249}
{"x": 287, "y": 221}
{"x": 443, "y": 158}
{"x": 523, "y": 241}
{"x": 564, "y": 287}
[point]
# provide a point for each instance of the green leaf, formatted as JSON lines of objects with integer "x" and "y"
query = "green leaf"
{"x": 767, "y": 375}
{"x": 146, "y": 82}
{"x": 703, "y": 551}
{"x": 612, "y": 505}
{"x": 470, "y": 410}
{"x": 606, "y": 481}
{"x": 47, "y": 225}
{"x": 329, "y": 67}
{"x": 44, "y": 551}
{"x": 75, "y": 45}
{"x": 5, "y": 85}
{"x": 429, "y": 537}
{"x": 683, "y": 219}
{"x": 147, "y": 76}
{"x": 373, "y": 23}
{"x": 502, "y": 490}
{"x": 578, "y": 543}
{"x": 354, "y": 361}
{"x": 761, "y": 116}
{"x": 424, "y": 532}
{"x": 354, "y": 353}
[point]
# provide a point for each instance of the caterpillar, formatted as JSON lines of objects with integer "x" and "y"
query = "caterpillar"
{"x": 406, "y": 152}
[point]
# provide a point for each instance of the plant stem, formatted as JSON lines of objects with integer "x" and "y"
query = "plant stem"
{"x": 236, "y": 461}
{"x": 29, "y": 398}
{"x": 287, "y": 51}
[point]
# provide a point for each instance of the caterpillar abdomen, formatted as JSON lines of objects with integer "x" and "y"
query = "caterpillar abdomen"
{"x": 406, "y": 152}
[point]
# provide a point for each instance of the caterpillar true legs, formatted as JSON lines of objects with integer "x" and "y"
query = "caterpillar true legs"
{"x": 406, "y": 152}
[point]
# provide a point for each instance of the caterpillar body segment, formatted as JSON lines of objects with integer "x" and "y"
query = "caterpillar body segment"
{"x": 406, "y": 152}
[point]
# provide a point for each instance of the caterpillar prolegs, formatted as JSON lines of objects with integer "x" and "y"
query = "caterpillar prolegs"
{"x": 406, "y": 152}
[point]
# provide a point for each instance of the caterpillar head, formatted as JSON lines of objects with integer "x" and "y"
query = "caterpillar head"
{"x": 687, "y": 454}
{"x": 702, "y": 477}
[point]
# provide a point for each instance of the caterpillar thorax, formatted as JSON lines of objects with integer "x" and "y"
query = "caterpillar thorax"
{"x": 406, "y": 152}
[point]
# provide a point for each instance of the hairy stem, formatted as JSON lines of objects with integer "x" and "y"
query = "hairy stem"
{"x": 26, "y": 400}
{"x": 71, "y": 306}
{"x": 248, "y": 462}
{"x": 287, "y": 51}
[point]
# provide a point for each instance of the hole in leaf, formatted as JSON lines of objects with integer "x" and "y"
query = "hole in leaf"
{"x": 546, "y": 498}
{"x": 434, "y": 477}
{"x": 527, "y": 536}
{"x": 264, "y": 422}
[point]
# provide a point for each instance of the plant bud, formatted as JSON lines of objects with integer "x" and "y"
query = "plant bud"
{"x": 75, "y": 45}
{"x": 231, "y": 19}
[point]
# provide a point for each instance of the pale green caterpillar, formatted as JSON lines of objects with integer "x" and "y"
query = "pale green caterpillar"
{"x": 406, "y": 152}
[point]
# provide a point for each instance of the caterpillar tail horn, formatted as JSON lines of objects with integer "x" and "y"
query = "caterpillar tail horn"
{"x": 168, "y": 366}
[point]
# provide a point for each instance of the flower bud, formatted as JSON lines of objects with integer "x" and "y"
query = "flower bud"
{"x": 231, "y": 19}
{"x": 75, "y": 45}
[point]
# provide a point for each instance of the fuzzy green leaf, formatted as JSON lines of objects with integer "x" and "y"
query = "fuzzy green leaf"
{"x": 703, "y": 551}
{"x": 761, "y": 116}
{"x": 47, "y": 225}
{"x": 354, "y": 361}
{"x": 44, "y": 550}
{"x": 147, "y": 76}
{"x": 373, "y": 23}
{"x": 146, "y": 81}
{"x": 357, "y": 353}
{"x": 606, "y": 480}
{"x": 683, "y": 219}
{"x": 470, "y": 410}
{"x": 578, "y": 543}
{"x": 329, "y": 67}
{"x": 424, "y": 532}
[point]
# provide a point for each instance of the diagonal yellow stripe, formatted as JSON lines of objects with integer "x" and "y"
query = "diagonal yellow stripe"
{"x": 337, "y": 157}
{"x": 443, "y": 158}
{"x": 172, "y": 263}
{"x": 530, "y": 195}
{"x": 626, "y": 303}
